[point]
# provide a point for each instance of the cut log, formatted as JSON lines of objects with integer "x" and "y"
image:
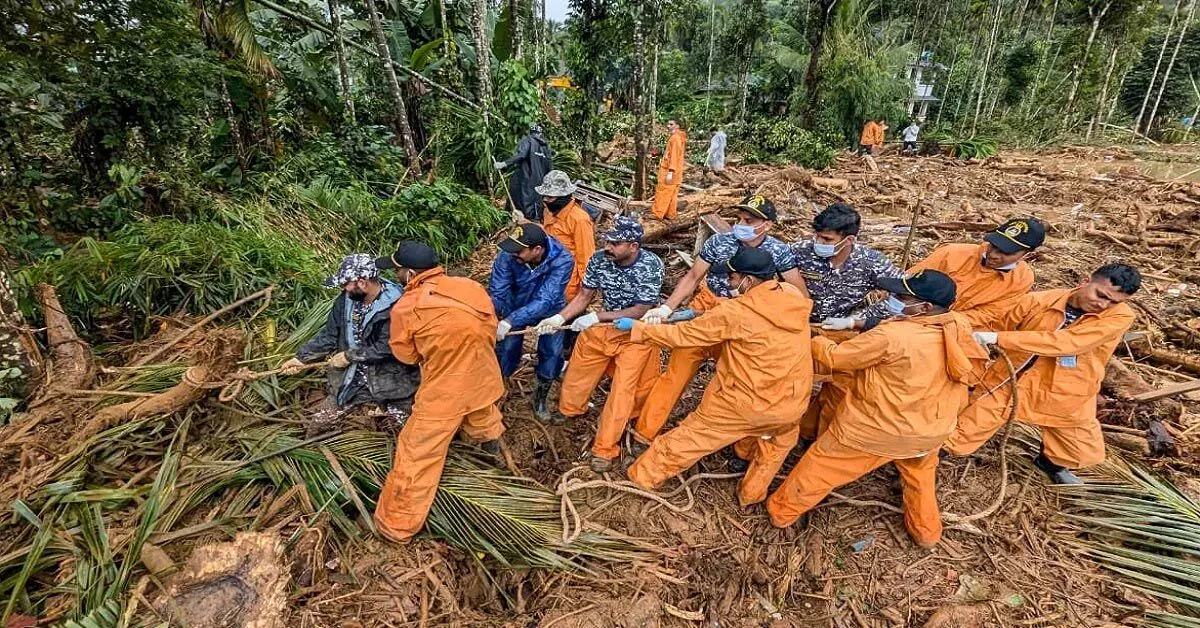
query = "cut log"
{"x": 1168, "y": 357}
{"x": 980, "y": 227}
{"x": 827, "y": 182}
{"x": 71, "y": 361}
{"x": 1167, "y": 391}
{"x": 1125, "y": 386}
{"x": 1132, "y": 239}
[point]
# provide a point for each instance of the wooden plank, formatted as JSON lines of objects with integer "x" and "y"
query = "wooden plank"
{"x": 1168, "y": 391}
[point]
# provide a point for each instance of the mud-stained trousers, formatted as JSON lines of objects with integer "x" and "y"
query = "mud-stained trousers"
{"x": 417, "y": 468}
{"x": 1070, "y": 446}
{"x": 829, "y": 464}
{"x": 633, "y": 367}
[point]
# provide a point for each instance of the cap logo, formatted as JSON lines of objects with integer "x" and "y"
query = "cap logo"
{"x": 1014, "y": 230}
{"x": 516, "y": 234}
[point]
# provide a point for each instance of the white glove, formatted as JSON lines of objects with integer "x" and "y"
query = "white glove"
{"x": 670, "y": 177}
{"x": 656, "y": 315}
{"x": 550, "y": 325}
{"x": 518, "y": 217}
{"x": 498, "y": 165}
{"x": 984, "y": 338}
{"x": 837, "y": 324}
{"x": 583, "y": 322}
{"x": 502, "y": 330}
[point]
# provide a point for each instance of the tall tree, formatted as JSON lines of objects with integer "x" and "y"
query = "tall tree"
{"x": 811, "y": 76}
{"x": 1174, "y": 54}
{"x": 335, "y": 23}
{"x": 1162, "y": 52}
{"x": 399, "y": 108}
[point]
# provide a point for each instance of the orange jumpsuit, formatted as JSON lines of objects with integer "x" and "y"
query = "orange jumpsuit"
{"x": 572, "y": 226}
{"x": 910, "y": 382}
{"x": 761, "y": 387}
{"x": 666, "y": 194}
{"x": 984, "y": 295}
{"x": 633, "y": 367}
{"x": 681, "y": 368}
{"x": 1057, "y": 391}
{"x": 446, "y": 325}
{"x": 872, "y": 134}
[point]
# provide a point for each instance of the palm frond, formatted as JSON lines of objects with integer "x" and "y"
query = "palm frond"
{"x": 1145, "y": 531}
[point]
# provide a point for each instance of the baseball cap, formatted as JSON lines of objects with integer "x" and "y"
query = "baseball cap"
{"x": 1017, "y": 235}
{"x": 758, "y": 205}
{"x": 354, "y": 267}
{"x": 752, "y": 261}
{"x": 523, "y": 236}
{"x": 410, "y": 254}
{"x": 927, "y": 285}
{"x": 625, "y": 229}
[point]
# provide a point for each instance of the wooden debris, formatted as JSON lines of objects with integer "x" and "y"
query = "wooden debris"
{"x": 1168, "y": 391}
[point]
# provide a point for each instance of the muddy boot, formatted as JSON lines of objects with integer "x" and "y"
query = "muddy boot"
{"x": 491, "y": 447}
{"x": 1058, "y": 474}
{"x": 540, "y": 393}
{"x": 600, "y": 465}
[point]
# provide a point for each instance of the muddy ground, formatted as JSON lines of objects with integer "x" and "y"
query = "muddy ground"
{"x": 846, "y": 564}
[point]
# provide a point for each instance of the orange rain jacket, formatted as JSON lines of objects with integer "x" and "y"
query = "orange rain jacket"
{"x": 448, "y": 326}
{"x": 1052, "y": 392}
{"x": 761, "y": 387}
{"x": 574, "y": 229}
{"x": 910, "y": 382}
{"x": 764, "y": 368}
{"x": 872, "y": 134}
{"x": 984, "y": 295}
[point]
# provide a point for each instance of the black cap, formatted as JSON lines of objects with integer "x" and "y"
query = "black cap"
{"x": 758, "y": 205}
{"x": 410, "y": 254}
{"x": 523, "y": 236}
{"x": 752, "y": 261}
{"x": 927, "y": 285}
{"x": 1017, "y": 235}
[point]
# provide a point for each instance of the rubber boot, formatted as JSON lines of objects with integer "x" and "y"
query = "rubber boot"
{"x": 1058, "y": 474}
{"x": 492, "y": 447}
{"x": 540, "y": 393}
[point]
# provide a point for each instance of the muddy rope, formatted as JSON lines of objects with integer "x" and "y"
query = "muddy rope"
{"x": 573, "y": 523}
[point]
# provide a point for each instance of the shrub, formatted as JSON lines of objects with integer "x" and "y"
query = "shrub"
{"x": 782, "y": 140}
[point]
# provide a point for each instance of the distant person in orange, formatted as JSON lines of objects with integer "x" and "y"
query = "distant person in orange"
{"x": 447, "y": 325}
{"x": 1060, "y": 342}
{"x": 566, "y": 221}
{"x": 991, "y": 277}
{"x": 872, "y": 137}
{"x": 910, "y": 380}
{"x": 762, "y": 384}
{"x": 670, "y": 173}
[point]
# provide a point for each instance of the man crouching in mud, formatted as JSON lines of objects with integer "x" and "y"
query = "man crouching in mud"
{"x": 360, "y": 367}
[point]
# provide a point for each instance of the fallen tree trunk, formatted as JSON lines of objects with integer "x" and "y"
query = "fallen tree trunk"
{"x": 1132, "y": 239}
{"x": 1168, "y": 357}
{"x": 1129, "y": 390}
{"x": 71, "y": 361}
{"x": 214, "y": 361}
{"x": 18, "y": 347}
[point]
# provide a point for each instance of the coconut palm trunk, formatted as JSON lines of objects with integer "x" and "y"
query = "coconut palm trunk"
{"x": 339, "y": 49}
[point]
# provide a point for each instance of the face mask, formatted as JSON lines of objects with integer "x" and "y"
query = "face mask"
{"x": 745, "y": 233}
{"x": 738, "y": 291}
{"x": 827, "y": 250}
{"x": 895, "y": 306}
{"x": 558, "y": 203}
{"x": 356, "y": 295}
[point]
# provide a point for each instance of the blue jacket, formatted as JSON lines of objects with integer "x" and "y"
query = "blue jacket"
{"x": 525, "y": 295}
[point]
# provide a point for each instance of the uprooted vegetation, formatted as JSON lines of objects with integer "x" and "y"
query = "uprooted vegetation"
{"x": 225, "y": 469}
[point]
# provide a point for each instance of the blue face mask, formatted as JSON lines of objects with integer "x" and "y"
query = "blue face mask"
{"x": 895, "y": 306}
{"x": 826, "y": 250}
{"x": 745, "y": 233}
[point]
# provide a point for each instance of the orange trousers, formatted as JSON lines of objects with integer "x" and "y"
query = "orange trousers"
{"x": 824, "y": 406}
{"x": 634, "y": 367}
{"x": 1073, "y": 446}
{"x": 421, "y": 450}
{"x": 703, "y": 432}
{"x": 665, "y": 200}
{"x": 829, "y": 464}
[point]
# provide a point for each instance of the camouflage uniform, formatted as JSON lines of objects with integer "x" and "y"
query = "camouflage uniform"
{"x": 720, "y": 248}
{"x": 838, "y": 292}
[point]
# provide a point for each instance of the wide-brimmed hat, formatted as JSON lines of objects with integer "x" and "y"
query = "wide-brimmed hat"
{"x": 556, "y": 183}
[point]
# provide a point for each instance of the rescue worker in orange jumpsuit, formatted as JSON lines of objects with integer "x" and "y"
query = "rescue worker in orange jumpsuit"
{"x": 872, "y": 137}
{"x": 1060, "y": 342}
{"x": 910, "y": 381}
{"x": 762, "y": 384}
{"x": 630, "y": 279}
{"x": 447, "y": 326}
{"x": 670, "y": 173}
{"x": 756, "y": 216}
{"x": 566, "y": 221}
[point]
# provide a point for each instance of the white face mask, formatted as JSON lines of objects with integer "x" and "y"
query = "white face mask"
{"x": 745, "y": 233}
{"x": 828, "y": 250}
{"x": 738, "y": 291}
